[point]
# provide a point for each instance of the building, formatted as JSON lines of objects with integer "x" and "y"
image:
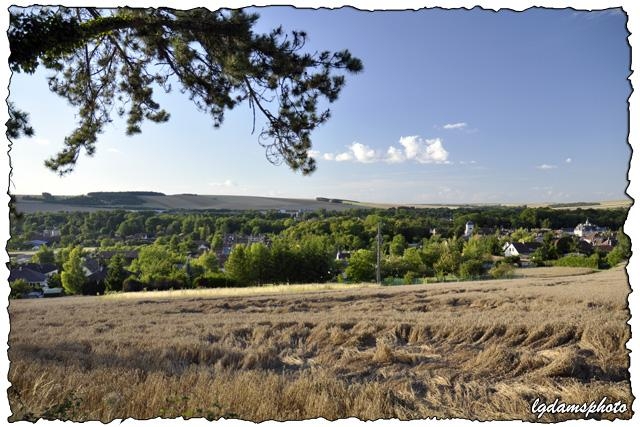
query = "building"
{"x": 32, "y": 277}
{"x": 587, "y": 228}
{"x": 468, "y": 229}
{"x": 523, "y": 250}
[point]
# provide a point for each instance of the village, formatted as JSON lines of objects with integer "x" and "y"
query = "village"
{"x": 40, "y": 268}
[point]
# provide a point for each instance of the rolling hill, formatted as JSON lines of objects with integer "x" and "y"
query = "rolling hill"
{"x": 147, "y": 200}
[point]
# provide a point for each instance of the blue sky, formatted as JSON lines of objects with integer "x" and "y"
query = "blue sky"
{"x": 452, "y": 107}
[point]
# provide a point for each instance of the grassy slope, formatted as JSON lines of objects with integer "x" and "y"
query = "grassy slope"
{"x": 481, "y": 350}
{"x": 194, "y": 202}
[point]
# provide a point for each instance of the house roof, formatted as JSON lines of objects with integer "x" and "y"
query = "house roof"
{"x": 41, "y": 268}
{"x": 91, "y": 264}
{"x": 98, "y": 276}
{"x": 27, "y": 274}
{"x": 526, "y": 248}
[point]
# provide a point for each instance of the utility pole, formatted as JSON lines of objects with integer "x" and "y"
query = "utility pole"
{"x": 379, "y": 244}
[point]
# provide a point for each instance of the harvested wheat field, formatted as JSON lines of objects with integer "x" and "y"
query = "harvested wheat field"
{"x": 475, "y": 350}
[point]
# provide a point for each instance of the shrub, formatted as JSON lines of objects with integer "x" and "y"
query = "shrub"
{"x": 93, "y": 287}
{"x": 502, "y": 271}
{"x": 578, "y": 261}
{"x": 410, "y": 278}
{"x": 132, "y": 285}
{"x": 19, "y": 288}
{"x": 215, "y": 280}
{"x": 471, "y": 268}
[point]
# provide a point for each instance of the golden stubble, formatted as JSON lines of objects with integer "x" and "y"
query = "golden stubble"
{"x": 475, "y": 350}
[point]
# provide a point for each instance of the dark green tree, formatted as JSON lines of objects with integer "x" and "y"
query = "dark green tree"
{"x": 113, "y": 59}
{"x": 116, "y": 273}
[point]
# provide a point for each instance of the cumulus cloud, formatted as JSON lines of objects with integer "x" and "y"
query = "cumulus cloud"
{"x": 411, "y": 148}
{"x": 424, "y": 150}
{"x": 395, "y": 155}
{"x": 568, "y": 160}
{"x": 459, "y": 125}
{"x": 363, "y": 153}
{"x": 344, "y": 157}
{"x": 545, "y": 166}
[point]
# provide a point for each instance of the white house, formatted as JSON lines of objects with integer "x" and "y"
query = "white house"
{"x": 521, "y": 249}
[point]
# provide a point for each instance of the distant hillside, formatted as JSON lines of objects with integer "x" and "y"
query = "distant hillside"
{"x": 145, "y": 200}
{"x": 150, "y": 200}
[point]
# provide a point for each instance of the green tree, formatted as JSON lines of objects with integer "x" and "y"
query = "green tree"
{"x": 154, "y": 262}
{"x": 471, "y": 268}
{"x": 106, "y": 58}
{"x": 622, "y": 251}
{"x": 43, "y": 255}
{"x": 72, "y": 276}
{"x": 116, "y": 273}
{"x": 476, "y": 248}
{"x": 208, "y": 261}
{"x": 362, "y": 266}
{"x": 259, "y": 263}
{"x": 397, "y": 245}
{"x": 414, "y": 262}
{"x": 449, "y": 260}
{"x": 523, "y": 236}
{"x": 238, "y": 265}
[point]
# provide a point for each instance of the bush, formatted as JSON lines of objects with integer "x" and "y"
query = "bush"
{"x": 19, "y": 288}
{"x": 410, "y": 278}
{"x": 93, "y": 288}
{"x": 578, "y": 261}
{"x": 502, "y": 271}
{"x": 471, "y": 268}
{"x": 215, "y": 280}
{"x": 132, "y": 285}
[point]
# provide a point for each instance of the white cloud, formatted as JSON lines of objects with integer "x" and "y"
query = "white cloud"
{"x": 459, "y": 125}
{"x": 344, "y": 157}
{"x": 363, "y": 153}
{"x": 568, "y": 160}
{"x": 413, "y": 148}
{"x": 114, "y": 150}
{"x": 545, "y": 166}
{"x": 395, "y": 155}
{"x": 424, "y": 150}
{"x": 314, "y": 153}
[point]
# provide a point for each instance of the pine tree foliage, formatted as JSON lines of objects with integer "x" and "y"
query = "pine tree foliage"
{"x": 112, "y": 60}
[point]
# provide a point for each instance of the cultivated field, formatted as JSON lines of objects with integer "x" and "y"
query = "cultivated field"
{"x": 190, "y": 202}
{"x": 478, "y": 350}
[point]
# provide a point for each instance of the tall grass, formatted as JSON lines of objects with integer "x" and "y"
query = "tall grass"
{"x": 481, "y": 350}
